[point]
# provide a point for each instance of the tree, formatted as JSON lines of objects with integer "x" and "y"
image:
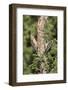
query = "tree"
{"x": 40, "y": 44}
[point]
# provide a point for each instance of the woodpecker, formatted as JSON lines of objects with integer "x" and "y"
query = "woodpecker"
{"x": 33, "y": 42}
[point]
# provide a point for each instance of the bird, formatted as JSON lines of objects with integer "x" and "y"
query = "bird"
{"x": 33, "y": 42}
{"x": 47, "y": 46}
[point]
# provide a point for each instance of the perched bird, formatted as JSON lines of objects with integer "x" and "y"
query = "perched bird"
{"x": 47, "y": 46}
{"x": 33, "y": 42}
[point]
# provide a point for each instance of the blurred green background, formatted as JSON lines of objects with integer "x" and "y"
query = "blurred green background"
{"x": 30, "y": 62}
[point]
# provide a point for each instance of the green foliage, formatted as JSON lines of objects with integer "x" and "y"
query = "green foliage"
{"x": 31, "y": 61}
{"x": 52, "y": 57}
{"x": 36, "y": 62}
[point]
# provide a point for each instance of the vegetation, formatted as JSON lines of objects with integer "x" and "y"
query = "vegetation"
{"x": 31, "y": 61}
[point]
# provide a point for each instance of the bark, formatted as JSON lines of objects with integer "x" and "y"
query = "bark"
{"x": 40, "y": 35}
{"x": 39, "y": 44}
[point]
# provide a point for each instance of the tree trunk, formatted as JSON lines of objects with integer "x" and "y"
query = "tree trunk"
{"x": 39, "y": 45}
{"x": 40, "y": 36}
